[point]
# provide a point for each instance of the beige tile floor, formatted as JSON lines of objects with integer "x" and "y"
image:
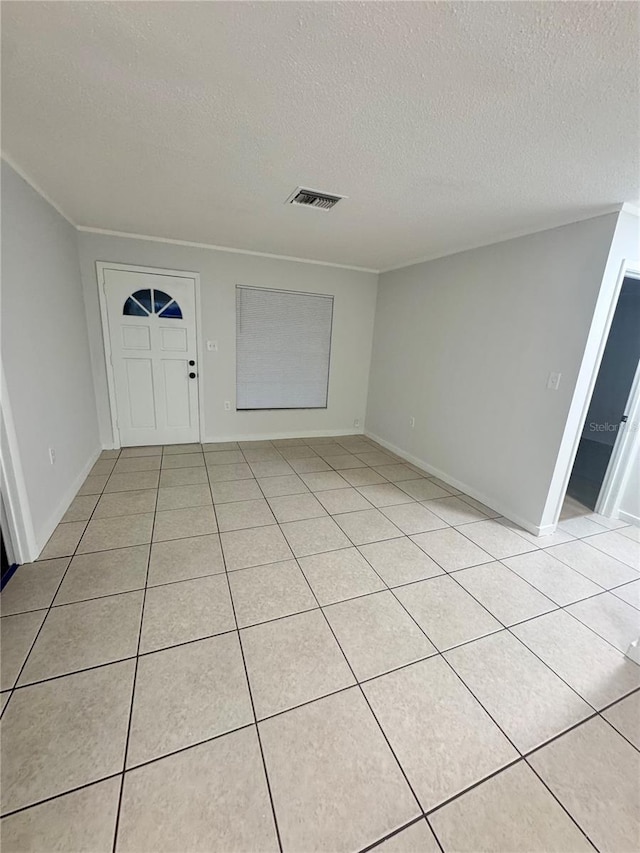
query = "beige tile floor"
{"x": 310, "y": 645}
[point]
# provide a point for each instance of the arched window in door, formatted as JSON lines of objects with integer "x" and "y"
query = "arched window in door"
{"x": 143, "y": 303}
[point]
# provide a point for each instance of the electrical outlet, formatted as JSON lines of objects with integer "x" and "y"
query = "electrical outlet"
{"x": 412, "y": 422}
{"x": 227, "y": 406}
{"x": 52, "y": 456}
{"x": 553, "y": 382}
{"x": 212, "y": 346}
{"x": 356, "y": 423}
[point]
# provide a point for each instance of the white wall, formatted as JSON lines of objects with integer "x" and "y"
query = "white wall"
{"x": 465, "y": 344}
{"x": 354, "y": 308}
{"x": 45, "y": 355}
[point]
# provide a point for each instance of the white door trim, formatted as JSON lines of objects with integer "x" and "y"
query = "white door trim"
{"x": 23, "y": 547}
{"x": 101, "y": 266}
{"x": 557, "y": 492}
{"x": 619, "y": 467}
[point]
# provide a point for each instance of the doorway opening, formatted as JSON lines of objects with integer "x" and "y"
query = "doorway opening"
{"x": 8, "y": 558}
{"x": 605, "y": 448}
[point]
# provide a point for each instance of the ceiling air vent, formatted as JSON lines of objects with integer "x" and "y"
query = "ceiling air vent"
{"x": 313, "y": 198}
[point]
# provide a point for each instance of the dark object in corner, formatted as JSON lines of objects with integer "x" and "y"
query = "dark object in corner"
{"x": 7, "y": 569}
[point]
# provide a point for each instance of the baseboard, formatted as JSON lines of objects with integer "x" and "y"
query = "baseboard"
{"x": 270, "y": 436}
{"x": 463, "y": 487}
{"x": 42, "y": 537}
{"x": 265, "y": 436}
{"x": 541, "y": 530}
{"x": 629, "y": 518}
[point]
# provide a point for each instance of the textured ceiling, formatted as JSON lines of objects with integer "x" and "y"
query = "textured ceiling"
{"x": 448, "y": 125}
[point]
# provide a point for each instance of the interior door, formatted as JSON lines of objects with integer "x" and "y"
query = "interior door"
{"x": 152, "y": 332}
{"x": 607, "y": 410}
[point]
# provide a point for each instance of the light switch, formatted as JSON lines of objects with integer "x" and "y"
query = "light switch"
{"x": 553, "y": 382}
{"x": 212, "y": 346}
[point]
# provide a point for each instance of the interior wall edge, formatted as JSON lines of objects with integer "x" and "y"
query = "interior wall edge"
{"x": 629, "y": 517}
{"x": 43, "y": 535}
{"x": 275, "y": 436}
{"x": 619, "y": 261}
{"x": 48, "y": 390}
{"x": 26, "y": 177}
{"x": 507, "y": 512}
{"x": 13, "y": 484}
{"x": 215, "y": 248}
{"x": 481, "y": 333}
{"x": 514, "y": 235}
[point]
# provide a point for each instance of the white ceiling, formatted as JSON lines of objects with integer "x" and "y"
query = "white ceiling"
{"x": 448, "y": 125}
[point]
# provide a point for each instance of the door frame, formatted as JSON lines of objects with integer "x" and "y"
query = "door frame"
{"x": 628, "y": 269}
{"x": 17, "y": 523}
{"x": 101, "y": 266}
{"x": 619, "y": 469}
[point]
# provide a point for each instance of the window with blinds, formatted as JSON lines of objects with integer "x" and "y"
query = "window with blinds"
{"x": 283, "y": 346}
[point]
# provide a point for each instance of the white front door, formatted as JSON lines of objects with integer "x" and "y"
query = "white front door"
{"x": 152, "y": 334}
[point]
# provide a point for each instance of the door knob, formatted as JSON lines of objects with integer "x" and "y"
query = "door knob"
{"x": 192, "y": 363}
{"x": 192, "y": 376}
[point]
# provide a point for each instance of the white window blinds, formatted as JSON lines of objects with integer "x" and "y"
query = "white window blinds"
{"x": 283, "y": 344}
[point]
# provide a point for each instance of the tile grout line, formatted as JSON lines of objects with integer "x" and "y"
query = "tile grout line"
{"x": 444, "y": 573}
{"x": 248, "y": 683}
{"x": 309, "y": 701}
{"x": 609, "y": 723}
{"x": 390, "y": 589}
{"x": 518, "y": 751}
{"x": 231, "y": 631}
{"x": 394, "y": 834}
{"x": 133, "y": 687}
{"x": 560, "y": 803}
{"x": 453, "y": 572}
{"x": 407, "y": 665}
{"x": 215, "y": 737}
{"x": 64, "y": 793}
{"x": 433, "y": 832}
{"x": 446, "y": 525}
{"x": 366, "y": 680}
{"x": 514, "y": 762}
{"x": 356, "y": 682}
{"x": 593, "y": 630}
{"x": 48, "y": 609}
{"x": 499, "y": 621}
{"x": 592, "y": 716}
{"x": 423, "y": 812}
{"x": 511, "y": 632}
{"x": 362, "y": 693}
{"x": 312, "y": 701}
{"x": 199, "y": 577}
{"x": 564, "y": 563}
{"x": 525, "y": 755}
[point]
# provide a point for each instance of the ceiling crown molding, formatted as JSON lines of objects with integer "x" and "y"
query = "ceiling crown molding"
{"x": 87, "y": 229}
{"x": 34, "y": 186}
{"x": 626, "y": 207}
{"x": 211, "y": 246}
{"x": 616, "y": 208}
